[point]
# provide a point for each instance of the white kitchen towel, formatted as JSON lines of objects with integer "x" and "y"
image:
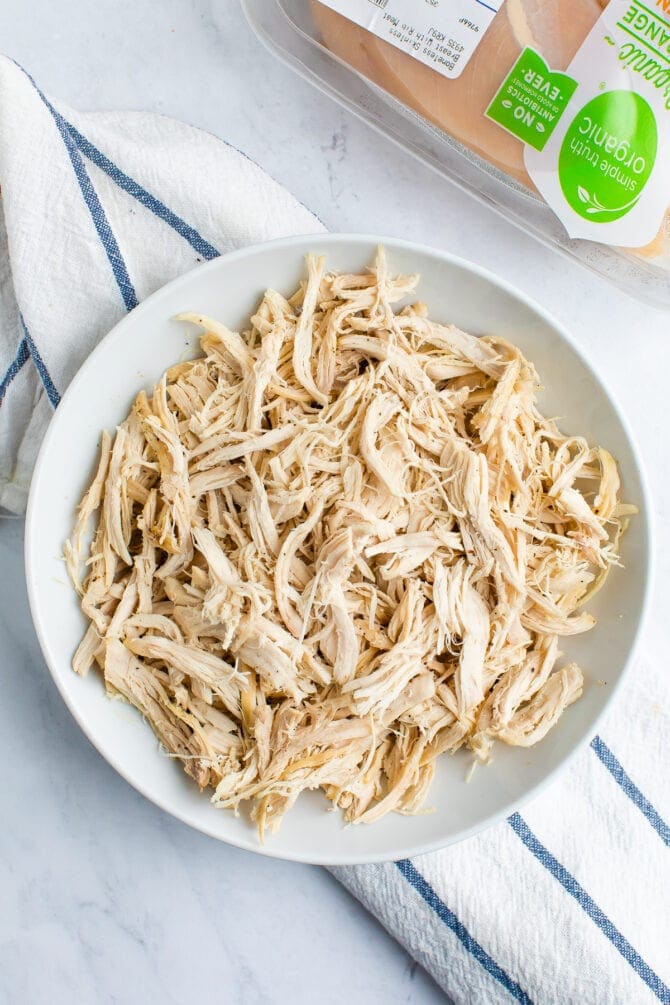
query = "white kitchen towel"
{"x": 98, "y": 211}
{"x": 566, "y": 902}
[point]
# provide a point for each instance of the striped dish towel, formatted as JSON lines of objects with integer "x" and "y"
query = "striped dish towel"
{"x": 565, "y": 903}
{"x": 98, "y": 211}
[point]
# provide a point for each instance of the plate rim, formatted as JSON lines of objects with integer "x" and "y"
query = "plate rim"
{"x": 647, "y": 513}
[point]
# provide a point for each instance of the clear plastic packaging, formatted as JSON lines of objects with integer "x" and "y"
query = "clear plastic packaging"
{"x": 442, "y": 118}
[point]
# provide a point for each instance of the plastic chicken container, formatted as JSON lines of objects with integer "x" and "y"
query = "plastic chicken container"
{"x": 555, "y": 113}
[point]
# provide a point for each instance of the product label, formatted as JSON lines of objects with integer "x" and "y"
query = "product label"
{"x": 598, "y": 137}
{"x": 607, "y": 156}
{"x": 531, "y": 100}
{"x": 443, "y": 34}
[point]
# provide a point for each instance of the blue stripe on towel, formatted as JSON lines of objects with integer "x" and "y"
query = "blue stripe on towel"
{"x": 570, "y": 884}
{"x": 22, "y": 357}
{"x": 630, "y": 788}
{"x": 129, "y": 185}
{"x": 425, "y": 890}
{"x": 45, "y": 376}
{"x": 100, "y": 221}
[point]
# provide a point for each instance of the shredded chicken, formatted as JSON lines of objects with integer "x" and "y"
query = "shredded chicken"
{"x": 339, "y": 544}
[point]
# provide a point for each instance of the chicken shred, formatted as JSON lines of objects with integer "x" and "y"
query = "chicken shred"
{"x": 339, "y": 544}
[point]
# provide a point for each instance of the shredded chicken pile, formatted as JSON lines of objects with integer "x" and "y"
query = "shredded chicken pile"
{"x": 338, "y": 545}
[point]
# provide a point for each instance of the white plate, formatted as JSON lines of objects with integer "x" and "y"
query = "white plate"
{"x": 135, "y": 354}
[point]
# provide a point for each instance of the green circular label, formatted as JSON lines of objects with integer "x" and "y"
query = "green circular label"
{"x": 607, "y": 155}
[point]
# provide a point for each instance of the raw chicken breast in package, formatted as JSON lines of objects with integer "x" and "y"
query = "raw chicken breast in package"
{"x": 556, "y": 112}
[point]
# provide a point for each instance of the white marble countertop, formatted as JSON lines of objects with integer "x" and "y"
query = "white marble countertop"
{"x": 104, "y": 897}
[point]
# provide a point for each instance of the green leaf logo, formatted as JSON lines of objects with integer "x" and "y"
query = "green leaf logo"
{"x": 607, "y": 155}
